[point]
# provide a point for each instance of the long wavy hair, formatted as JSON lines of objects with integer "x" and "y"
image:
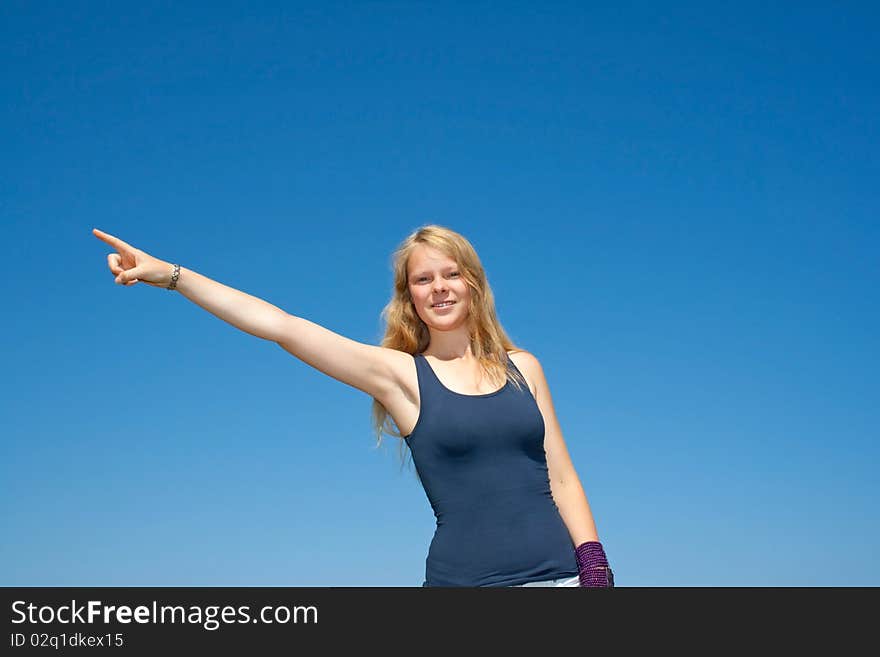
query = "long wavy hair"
{"x": 405, "y": 331}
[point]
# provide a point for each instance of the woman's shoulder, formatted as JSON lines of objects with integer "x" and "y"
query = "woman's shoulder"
{"x": 527, "y": 358}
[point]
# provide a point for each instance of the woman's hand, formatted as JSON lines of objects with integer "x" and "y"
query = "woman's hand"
{"x": 131, "y": 265}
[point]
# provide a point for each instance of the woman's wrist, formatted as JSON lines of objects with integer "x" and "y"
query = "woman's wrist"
{"x": 175, "y": 275}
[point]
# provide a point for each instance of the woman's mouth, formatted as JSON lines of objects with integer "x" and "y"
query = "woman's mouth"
{"x": 442, "y": 305}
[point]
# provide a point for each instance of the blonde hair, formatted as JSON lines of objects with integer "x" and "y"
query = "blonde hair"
{"x": 405, "y": 331}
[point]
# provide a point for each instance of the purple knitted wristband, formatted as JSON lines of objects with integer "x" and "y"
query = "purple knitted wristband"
{"x": 593, "y": 568}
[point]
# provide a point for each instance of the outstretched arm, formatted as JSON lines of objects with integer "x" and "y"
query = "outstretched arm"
{"x": 248, "y": 313}
{"x": 243, "y": 311}
{"x": 369, "y": 368}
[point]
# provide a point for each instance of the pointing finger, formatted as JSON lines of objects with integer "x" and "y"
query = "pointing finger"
{"x": 115, "y": 242}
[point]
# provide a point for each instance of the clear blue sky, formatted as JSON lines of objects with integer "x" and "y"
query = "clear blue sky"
{"x": 677, "y": 209}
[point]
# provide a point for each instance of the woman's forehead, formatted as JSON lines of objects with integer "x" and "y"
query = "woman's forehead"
{"x": 427, "y": 257}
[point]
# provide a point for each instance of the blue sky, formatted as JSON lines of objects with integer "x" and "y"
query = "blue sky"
{"x": 676, "y": 208}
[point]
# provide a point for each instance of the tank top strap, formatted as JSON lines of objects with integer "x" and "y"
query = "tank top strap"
{"x": 511, "y": 364}
{"x": 429, "y": 385}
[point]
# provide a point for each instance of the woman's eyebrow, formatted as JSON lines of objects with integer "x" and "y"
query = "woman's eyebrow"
{"x": 426, "y": 271}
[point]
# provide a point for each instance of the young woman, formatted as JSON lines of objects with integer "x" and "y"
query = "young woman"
{"x": 475, "y": 411}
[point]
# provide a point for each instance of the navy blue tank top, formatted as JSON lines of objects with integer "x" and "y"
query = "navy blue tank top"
{"x": 481, "y": 461}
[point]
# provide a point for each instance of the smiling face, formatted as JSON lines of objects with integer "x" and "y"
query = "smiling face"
{"x": 434, "y": 277}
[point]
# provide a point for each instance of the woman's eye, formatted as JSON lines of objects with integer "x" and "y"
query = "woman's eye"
{"x": 424, "y": 278}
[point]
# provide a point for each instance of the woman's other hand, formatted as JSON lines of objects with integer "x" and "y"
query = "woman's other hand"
{"x": 131, "y": 265}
